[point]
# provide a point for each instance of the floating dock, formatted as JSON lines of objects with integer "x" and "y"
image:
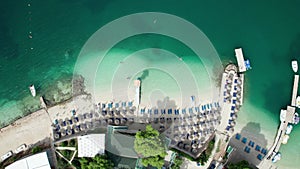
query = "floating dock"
{"x": 240, "y": 59}
{"x": 288, "y": 118}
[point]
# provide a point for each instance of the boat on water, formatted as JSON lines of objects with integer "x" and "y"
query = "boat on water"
{"x": 296, "y": 118}
{"x": 285, "y": 139}
{"x": 276, "y": 157}
{"x": 289, "y": 129}
{"x": 282, "y": 115}
{"x": 298, "y": 101}
{"x": 295, "y": 66}
{"x": 32, "y": 90}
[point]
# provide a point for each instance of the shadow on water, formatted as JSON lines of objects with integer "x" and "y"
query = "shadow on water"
{"x": 166, "y": 103}
{"x": 252, "y": 132}
{"x": 144, "y": 75}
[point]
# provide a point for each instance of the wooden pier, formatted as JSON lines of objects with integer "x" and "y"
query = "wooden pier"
{"x": 240, "y": 59}
{"x": 289, "y": 118}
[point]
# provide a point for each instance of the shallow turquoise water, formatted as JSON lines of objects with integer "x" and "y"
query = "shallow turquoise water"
{"x": 268, "y": 32}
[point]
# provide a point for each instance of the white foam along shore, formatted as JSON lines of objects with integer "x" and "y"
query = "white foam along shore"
{"x": 37, "y": 126}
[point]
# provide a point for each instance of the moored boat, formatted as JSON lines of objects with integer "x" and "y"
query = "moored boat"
{"x": 289, "y": 129}
{"x": 276, "y": 157}
{"x": 295, "y": 66}
{"x": 32, "y": 90}
{"x": 282, "y": 115}
{"x": 298, "y": 101}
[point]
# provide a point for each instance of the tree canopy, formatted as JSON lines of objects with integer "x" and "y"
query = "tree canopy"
{"x": 150, "y": 147}
{"x": 240, "y": 165}
{"x": 97, "y": 162}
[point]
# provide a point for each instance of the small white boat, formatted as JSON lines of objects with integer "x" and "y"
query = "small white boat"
{"x": 289, "y": 129}
{"x": 295, "y": 66}
{"x": 32, "y": 90}
{"x": 276, "y": 157}
{"x": 6, "y": 156}
{"x": 285, "y": 139}
{"x": 282, "y": 115}
{"x": 298, "y": 101}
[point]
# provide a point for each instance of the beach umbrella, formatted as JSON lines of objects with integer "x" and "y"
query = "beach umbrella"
{"x": 76, "y": 129}
{"x": 183, "y": 137}
{"x": 69, "y": 131}
{"x": 232, "y": 123}
{"x": 104, "y": 123}
{"x": 180, "y": 145}
{"x": 231, "y": 130}
{"x": 176, "y": 138}
{"x": 109, "y": 121}
{"x": 202, "y": 139}
{"x": 194, "y": 145}
{"x": 82, "y": 127}
{"x": 186, "y": 146}
{"x": 123, "y": 121}
{"x": 191, "y": 137}
{"x": 56, "y": 136}
{"x": 117, "y": 121}
{"x": 63, "y": 132}
{"x": 194, "y": 150}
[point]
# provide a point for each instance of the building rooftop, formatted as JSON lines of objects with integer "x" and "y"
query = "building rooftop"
{"x": 37, "y": 161}
{"x": 91, "y": 145}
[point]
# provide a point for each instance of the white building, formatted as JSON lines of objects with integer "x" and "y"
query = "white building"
{"x": 37, "y": 161}
{"x": 91, "y": 145}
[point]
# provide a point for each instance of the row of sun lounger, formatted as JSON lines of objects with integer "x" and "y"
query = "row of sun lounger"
{"x": 263, "y": 152}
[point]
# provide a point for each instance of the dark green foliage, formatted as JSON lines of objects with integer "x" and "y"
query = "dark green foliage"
{"x": 150, "y": 146}
{"x": 36, "y": 149}
{"x": 64, "y": 144}
{"x": 67, "y": 154}
{"x": 240, "y": 165}
{"x": 72, "y": 143}
{"x": 98, "y": 162}
{"x": 62, "y": 163}
{"x": 177, "y": 163}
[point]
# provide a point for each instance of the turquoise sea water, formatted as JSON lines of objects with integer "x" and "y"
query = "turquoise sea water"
{"x": 269, "y": 33}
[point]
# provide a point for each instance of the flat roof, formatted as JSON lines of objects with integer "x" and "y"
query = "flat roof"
{"x": 91, "y": 145}
{"x": 37, "y": 161}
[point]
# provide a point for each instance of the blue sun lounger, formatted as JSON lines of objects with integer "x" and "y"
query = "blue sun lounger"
{"x": 155, "y": 111}
{"x": 232, "y": 107}
{"x": 247, "y": 149}
{"x": 163, "y": 111}
{"x": 233, "y": 101}
{"x": 257, "y": 148}
{"x": 169, "y": 111}
{"x": 130, "y": 104}
{"x": 235, "y": 80}
{"x": 238, "y": 136}
{"x": 197, "y": 109}
{"x": 264, "y": 151}
{"x": 260, "y": 157}
{"x": 183, "y": 111}
{"x": 251, "y": 143}
{"x": 190, "y": 110}
{"x": 244, "y": 140}
{"x": 176, "y": 112}
{"x": 149, "y": 111}
{"x": 234, "y": 94}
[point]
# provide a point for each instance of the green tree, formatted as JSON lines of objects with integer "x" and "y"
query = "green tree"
{"x": 150, "y": 146}
{"x": 36, "y": 149}
{"x": 97, "y": 162}
{"x": 240, "y": 165}
{"x": 177, "y": 163}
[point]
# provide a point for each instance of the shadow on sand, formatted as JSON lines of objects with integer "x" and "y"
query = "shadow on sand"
{"x": 252, "y": 133}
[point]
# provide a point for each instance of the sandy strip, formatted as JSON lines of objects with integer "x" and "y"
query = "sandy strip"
{"x": 27, "y": 130}
{"x": 37, "y": 126}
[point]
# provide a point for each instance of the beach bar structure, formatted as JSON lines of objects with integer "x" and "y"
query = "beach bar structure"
{"x": 240, "y": 59}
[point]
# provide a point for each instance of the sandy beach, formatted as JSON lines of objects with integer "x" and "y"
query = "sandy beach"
{"x": 37, "y": 126}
